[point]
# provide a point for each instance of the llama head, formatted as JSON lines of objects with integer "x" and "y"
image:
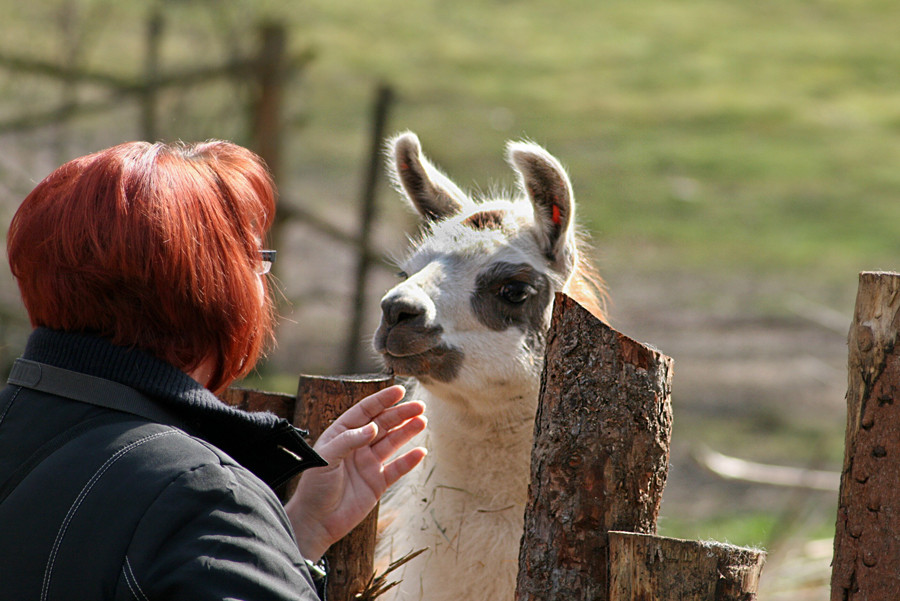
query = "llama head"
{"x": 470, "y": 318}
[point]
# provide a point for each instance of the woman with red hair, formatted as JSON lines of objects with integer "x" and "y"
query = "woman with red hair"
{"x": 122, "y": 476}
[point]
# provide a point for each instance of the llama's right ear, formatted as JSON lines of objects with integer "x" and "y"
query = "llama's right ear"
{"x": 546, "y": 183}
{"x": 432, "y": 194}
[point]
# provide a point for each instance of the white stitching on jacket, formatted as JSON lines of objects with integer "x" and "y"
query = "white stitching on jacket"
{"x": 48, "y": 572}
{"x": 129, "y": 578}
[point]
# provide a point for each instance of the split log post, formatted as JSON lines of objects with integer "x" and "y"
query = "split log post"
{"x": 866, "y": 541}
{"x": 643, "y": 566}
{"x": 320, "y": 401}
{"x": 600, "y": 456}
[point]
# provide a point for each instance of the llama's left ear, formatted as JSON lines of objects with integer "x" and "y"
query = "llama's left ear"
{"x": 545, "y": 182}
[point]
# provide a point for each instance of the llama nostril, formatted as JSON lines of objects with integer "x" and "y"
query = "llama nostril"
{"x": 404, "y": 316}
{"x": 399, "y": 310}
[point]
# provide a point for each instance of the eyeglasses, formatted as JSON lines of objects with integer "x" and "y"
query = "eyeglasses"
{"x": 266, "y": 258}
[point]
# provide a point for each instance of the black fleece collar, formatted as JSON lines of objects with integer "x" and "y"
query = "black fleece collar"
{"x": 267, "y": 445}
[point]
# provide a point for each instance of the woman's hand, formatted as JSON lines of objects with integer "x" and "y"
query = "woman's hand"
{"x": 330, "y": 501}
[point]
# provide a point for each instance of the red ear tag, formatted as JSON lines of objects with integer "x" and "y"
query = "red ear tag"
{"x": 555, "y": 216}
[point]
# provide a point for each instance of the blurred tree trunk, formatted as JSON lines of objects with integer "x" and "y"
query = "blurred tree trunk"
{"x": 267, "y": 121}
{"x": 383, "y": 98}
{"x": 154, "y": 33}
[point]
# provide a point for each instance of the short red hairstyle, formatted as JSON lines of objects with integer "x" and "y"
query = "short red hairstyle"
{"x": 152, "y": 246}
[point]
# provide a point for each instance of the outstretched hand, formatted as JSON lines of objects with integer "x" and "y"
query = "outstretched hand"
{"x": 330, "y": 501}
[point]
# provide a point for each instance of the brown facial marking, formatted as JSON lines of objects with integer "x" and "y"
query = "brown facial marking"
{"x": 496, "y": 290}
{"x": 485, "y": 220}
{"x": 441, "y": 363}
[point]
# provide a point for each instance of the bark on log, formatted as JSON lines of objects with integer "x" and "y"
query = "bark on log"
{"x": 248, "y": 399}
{"x": 866, "y": 561}
{"x": 320, "y": 401}
{"x": 643, "y": 566}
{"x": 600, "y": 456}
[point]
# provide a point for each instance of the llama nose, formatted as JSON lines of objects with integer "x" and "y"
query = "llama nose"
{"x": 399, "y": 309}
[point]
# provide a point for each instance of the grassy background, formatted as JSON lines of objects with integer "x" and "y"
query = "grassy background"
{"x": 761, "y": 135}
{"x": 717, "y": 134}
{"x": 746, "y": 151}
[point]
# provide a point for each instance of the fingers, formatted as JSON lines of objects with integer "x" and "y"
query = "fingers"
{"x": 380, "y": 408}
{"x": 371, "y": 407}
{"x": 377, "y": 421}
{"x": 392, "y": 441}
{"x": 384, "y": 441}
{"x": 334, "y": 448}
{"x": 402, "y": 465}
{"x": 398, "y": 414}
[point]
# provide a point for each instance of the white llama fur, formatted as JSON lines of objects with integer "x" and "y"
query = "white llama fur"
{"x": 456, "y": 325}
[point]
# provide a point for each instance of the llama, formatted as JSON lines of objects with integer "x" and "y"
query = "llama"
{"x": 468, "y": 324}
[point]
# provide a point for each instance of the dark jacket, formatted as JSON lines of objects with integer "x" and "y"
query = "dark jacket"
{"x": 125, "y": 508}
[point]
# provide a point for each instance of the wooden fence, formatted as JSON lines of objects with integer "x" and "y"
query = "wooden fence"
{"x": 613, "y": 491}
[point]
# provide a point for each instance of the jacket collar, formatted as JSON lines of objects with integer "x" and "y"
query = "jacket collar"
{"x": 267, "y": 445}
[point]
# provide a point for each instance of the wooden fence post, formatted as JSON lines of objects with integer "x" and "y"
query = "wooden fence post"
{"x": 643, "y": 566}
{"x": 321, "y": 400}
{"x": 246, "y": 399}
{"x": 384, "y": 98}
{"x": 267, "y": 125}
{"x": 149, "y": 94}
{"x": 866, "y": 561}
{"x": 600, "y": 457}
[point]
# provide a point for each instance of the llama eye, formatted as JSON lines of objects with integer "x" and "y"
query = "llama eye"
{"x": 402, "y": 275}
{"x": 516, "y": 292}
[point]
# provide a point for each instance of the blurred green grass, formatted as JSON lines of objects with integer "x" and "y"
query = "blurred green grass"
{"x": 720, "y": 135}
{"x": 762, "y": 135}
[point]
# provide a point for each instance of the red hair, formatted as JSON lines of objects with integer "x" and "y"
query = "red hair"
{"x": 152, "y": 246}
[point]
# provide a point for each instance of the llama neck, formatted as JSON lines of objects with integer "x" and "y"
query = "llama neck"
{"x": 485, "y": 453}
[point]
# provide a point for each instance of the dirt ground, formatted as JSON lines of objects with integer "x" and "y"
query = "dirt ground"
{"x": 766, "y": 385}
